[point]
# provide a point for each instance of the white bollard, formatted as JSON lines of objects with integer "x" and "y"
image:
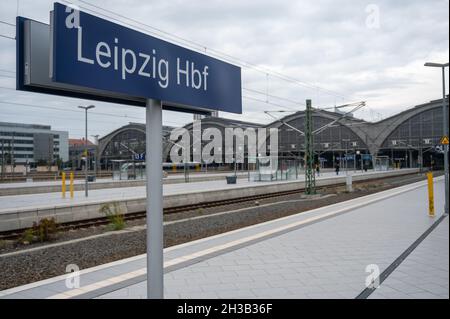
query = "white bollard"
{"x": 348, "y": 183}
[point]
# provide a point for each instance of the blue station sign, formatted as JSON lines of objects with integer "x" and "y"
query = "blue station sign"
{"x": 94, "y": 53}
{"x": 139, "y": 157}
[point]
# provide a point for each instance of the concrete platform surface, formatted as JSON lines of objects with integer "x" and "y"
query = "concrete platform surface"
{"x": 322, "y": 253}
{"x": 18, "y": 202}
{"x": 20, "y": 212}
{"x": 424, "y": 274}
{"x": 180, "y": 176}
{"x": 21, "y": 188}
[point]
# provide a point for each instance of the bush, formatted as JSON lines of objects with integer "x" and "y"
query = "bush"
{"x": 114, "y": 215}
{"x": 42, "y": 231}
{"x": 27, "y": 237}
{"x": 45, "y": 229}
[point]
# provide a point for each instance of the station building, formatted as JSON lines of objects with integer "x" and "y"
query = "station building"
{"x": 407, "y": 139}
{"x": 77, "y": 150}
{"x": 124, "y": 144}
{"x": 22, "y": 144}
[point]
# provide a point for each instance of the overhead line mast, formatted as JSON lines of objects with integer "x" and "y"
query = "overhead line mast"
{"x": 310, "y": 177}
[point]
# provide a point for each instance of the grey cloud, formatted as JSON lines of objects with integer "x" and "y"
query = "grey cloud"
{"x": 323, "y": 42}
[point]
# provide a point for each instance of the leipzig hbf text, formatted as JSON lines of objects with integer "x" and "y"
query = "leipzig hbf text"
{"x": 128, "y": 62}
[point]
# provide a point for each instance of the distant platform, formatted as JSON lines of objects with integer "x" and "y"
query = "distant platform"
{"x": 22, "y": 188}
{"x": 328, "y": 252}
{"x": 20, "y": 211}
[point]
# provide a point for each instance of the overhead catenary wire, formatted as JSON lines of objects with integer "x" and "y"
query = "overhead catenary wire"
{"x": 247, "y": 89}
{"x": 274, "y": 96}
{"x": 7, "y": 23}
{"x": 107, "y": 114}
{"x": 8, "y": 71}
{"x": 132, "y": 117}
{"x": 243, "y": 63}
{"x": 204, "y": 48}
{"x": 270, "y": 103}
{"x": 298, "y": 103}
{"x": 7, "y": 37}
{"x": 77, "y": 111}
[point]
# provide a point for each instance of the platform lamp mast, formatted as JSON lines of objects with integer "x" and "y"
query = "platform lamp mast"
{"x": 445, "y": 127}
{"x": 310, "y": 178}
{"x": 86, "y": 108}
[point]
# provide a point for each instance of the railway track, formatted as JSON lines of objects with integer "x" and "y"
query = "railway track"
{"x": 15, "y": 234}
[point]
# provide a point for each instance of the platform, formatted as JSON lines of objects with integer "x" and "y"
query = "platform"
{"x": 18, "y": 212}
{"x": 322, "y": 253}
{"x": 22, "y": 188}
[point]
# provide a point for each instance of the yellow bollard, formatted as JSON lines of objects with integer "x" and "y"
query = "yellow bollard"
{"x": 430, "y": 195}
{"x": 63, "y": 188}
{"x": 71, "y": 184}
{"x": 197, "y": 167}
{"x": 174, "y": 168}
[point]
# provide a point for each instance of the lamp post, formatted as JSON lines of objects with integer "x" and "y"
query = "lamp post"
{"x": 86, "y": 108}
{"x": 445, "y": 123}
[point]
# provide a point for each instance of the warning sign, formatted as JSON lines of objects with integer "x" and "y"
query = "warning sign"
{"x": 444, "y": 140}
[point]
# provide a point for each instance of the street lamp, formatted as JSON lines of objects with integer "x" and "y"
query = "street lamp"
{"x": 445, "y": 123}
{"x": 86, "y": 108}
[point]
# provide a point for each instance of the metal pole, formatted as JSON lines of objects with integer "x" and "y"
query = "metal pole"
{"x": 406, "y": 158}
{"x": 362, "y": 163}
{"x": 12, "y": 154}
{"x": 3, "y": 159}
{"x": 346, "y": 158}
{"x": 10, "y": 159}
{"x": 445, "y": 123}
{"x": 86, "y": 108}
{"x": 153, "y": 166}
{"x": 310, "y": 177}
{"x": 421, "y": 156}
{"x": 410, "y": 159}
{"x": 86, "y": 155}
{"x": 392, "y": 156}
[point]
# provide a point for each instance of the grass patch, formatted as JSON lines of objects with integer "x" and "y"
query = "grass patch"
{"x": 44, "y": 230}
{"x": 114, "y": 214}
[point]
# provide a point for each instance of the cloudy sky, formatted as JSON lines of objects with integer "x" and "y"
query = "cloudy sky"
{"x": 332, "y": 52}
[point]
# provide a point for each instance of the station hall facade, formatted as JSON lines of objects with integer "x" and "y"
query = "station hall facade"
{"x": 408, "y": 139}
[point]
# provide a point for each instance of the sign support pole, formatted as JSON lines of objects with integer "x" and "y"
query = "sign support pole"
{"x": 153, "y": 167}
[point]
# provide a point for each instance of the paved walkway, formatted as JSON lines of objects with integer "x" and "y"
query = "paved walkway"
{"x": 425, "y": 273}
{"x": 322, "y": 253}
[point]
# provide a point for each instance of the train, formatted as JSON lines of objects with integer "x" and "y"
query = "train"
{"x": 166, "y": 166}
